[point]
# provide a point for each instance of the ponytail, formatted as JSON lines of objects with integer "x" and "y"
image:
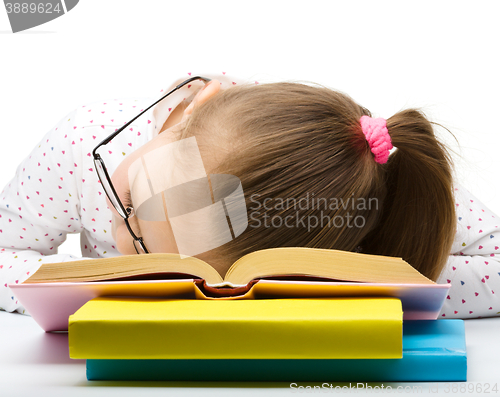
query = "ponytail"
{"x": 418, "y": 216}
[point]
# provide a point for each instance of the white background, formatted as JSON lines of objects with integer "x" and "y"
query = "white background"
{"x": 388, "y": 55}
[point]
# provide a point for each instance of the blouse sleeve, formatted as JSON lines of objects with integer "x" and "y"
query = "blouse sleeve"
{"x": 38, "y": 207}
{"x": 473, "y": 268}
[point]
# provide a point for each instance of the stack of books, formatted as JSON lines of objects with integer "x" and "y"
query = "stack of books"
{"x": 285, "y": 314}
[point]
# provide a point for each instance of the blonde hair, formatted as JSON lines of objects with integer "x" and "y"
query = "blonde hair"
{"x": 287, "y": 140}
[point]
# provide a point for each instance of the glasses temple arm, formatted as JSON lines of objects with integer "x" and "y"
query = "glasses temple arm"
{"x": 110, "y": 137}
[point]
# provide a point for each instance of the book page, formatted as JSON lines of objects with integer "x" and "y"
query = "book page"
{"x": 334, "y": 264}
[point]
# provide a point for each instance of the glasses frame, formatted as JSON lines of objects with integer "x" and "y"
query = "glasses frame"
{"x": 128, "y": 212}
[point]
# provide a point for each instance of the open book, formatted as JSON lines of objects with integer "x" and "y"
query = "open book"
{"x": 275, "y": 262}
{"x": 57, "y": 290}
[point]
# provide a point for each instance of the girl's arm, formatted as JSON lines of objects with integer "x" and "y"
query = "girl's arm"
{"x": 38, "y": 207}
{"x": 473, "y": 268}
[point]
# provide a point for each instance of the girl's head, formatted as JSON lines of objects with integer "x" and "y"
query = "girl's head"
{"x": 310, "y": 179}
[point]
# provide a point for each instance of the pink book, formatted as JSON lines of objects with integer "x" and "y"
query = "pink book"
{"x": 51, "y": 304}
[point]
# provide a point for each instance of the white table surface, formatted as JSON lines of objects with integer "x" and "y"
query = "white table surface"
{"x": 35, "y": 363}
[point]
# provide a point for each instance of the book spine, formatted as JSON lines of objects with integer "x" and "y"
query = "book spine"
{"x": 421, "y": 367}
{"x": 282, "y": 329}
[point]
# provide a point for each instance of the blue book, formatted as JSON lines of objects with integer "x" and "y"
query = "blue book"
{"x": 433, "y": 350}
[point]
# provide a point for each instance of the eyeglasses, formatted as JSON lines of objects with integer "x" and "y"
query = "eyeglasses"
{"x": 105, "y": 179}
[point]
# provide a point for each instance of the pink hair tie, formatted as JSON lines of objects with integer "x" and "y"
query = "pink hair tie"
{"x": 376, "y": 134}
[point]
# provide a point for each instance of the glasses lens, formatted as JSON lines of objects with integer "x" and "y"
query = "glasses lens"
{"x": 106, "y": 185}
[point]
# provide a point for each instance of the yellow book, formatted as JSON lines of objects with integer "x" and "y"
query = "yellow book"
{"x": 326, "y": 328}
